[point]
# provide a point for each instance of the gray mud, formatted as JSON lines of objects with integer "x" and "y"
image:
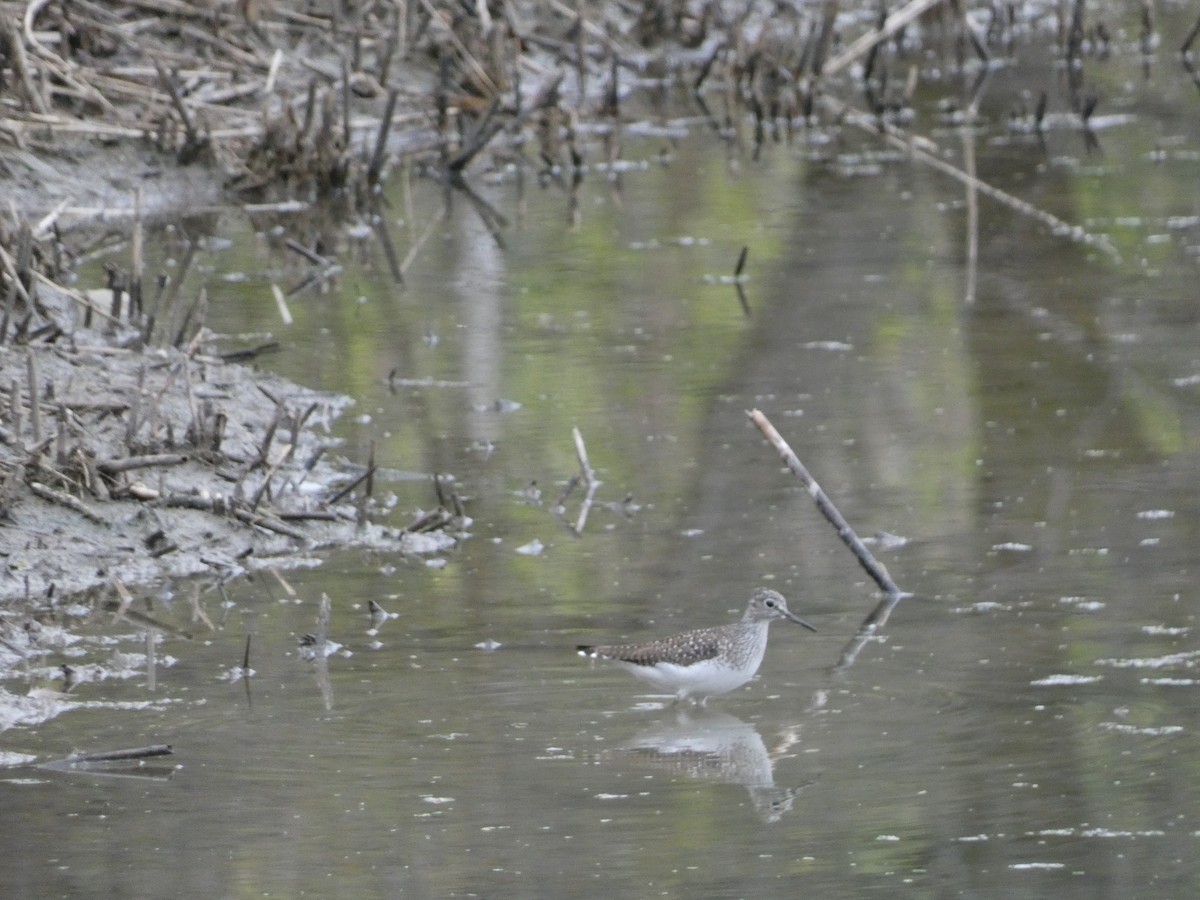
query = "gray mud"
{"x": 157, "y": 464}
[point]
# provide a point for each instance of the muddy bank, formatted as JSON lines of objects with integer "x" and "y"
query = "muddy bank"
{"x": 141, "y": 465}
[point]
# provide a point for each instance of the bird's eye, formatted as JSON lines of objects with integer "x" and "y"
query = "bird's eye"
{"x": 770, "y": 604}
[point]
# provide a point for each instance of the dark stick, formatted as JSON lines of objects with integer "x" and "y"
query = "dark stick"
{"x": 866, "y": 559}
{"x": 115, "y": 755}
{"x": 364, "y": 498}
{"x": 348, "y": 488}
{"x": 741, "y": 263}
{"x": 487, "y": 130}
{"x": 1191, "y": 36}
{"x": 385, "y": 126}
{"x": 705, "y": 68}
{"x": 265, "y": 451}
{"x": 60, "y": 453}
{"x": 439, "y": 492}
{"x": 167, "y": 79}
{"x": 572, "y": 483}
{"x": 135, "y": 286}
{"x": 379, "y": 226}
{"x": 312, "y": 256}
{"x": 741, "y": 295}
{"x": 346, "y": 133}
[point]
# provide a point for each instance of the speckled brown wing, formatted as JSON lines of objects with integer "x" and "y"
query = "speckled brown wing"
{"x": 682, "y": 649}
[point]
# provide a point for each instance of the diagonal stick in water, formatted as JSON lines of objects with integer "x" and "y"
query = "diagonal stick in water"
{"x": 879, "y": 574}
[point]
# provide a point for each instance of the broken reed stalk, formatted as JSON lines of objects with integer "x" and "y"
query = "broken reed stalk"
{"x": 364, "y": 498}
{"x": 311, "y": 255}
{"x": 135, "y": 286}
{"x": 866, "y": 559}
{"x": 340, "y": 495}
{"x": 35, "y": 398}
{"x": 738, "y": 278}
{"x": 380, "y": 154}
{"x": 482, "y": 136}
{"x": 191, "y": 135}
{"x": 60, "y": 452}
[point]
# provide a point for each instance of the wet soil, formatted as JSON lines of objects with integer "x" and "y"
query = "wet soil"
{"x": 129, "y": 455}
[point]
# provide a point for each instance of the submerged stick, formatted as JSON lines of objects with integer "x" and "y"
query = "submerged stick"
{"x": 117, "y": 755}
{"x": 866, "y": 559}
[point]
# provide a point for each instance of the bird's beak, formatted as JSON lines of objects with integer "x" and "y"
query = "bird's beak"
{"x": 799, "y": 621}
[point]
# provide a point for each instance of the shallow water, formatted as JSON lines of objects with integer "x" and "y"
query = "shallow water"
{"x": 1024, "y": 723}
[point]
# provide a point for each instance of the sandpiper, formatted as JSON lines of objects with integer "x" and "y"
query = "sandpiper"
{"x": 706, "y": 661}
